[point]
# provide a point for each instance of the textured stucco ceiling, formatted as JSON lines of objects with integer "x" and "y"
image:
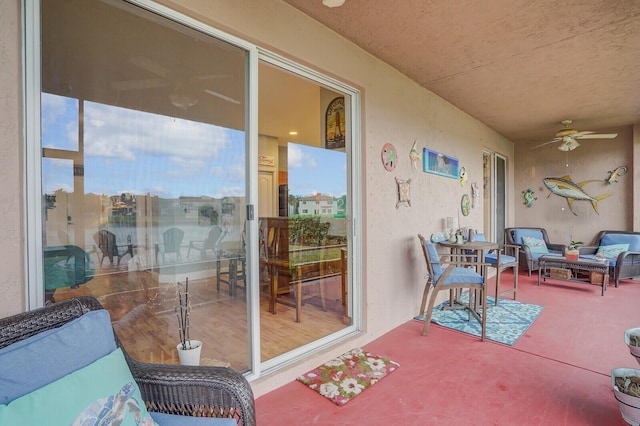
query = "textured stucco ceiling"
{"x": 519, "y": 66}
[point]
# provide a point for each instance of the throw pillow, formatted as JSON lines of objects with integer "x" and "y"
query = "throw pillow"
{"x": 611, "y": 252}
{"x": 535, "y": 245}
{"x": 103, "y": 392}
{"x": 52, "y": 354}
{"x": 520, "y": 233}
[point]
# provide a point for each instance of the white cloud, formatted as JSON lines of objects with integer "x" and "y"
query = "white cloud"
{"x": 296, "y": 158}
{"x": 126, "y": 134}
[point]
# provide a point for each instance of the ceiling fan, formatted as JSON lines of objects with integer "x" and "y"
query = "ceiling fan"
{"x": 569, "y": 137}
{"x": 182, "y": 96}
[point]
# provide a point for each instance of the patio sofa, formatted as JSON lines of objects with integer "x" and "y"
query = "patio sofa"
{"x": 621, "y": 248}
{"x": 533, "y": 243}
{"x": 63, "y": 364}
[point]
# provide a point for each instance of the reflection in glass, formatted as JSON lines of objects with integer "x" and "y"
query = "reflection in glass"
{"x": 143, "y": 175}
{"x": 304, "y": 238}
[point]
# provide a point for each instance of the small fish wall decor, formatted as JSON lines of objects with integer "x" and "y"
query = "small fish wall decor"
{"x": 571, "y": 191}
{"x": 414, "y": 155}
{"x": 529, "y": 197}
{"x": 463, "y": 176}
{"x": 615, "y": 174}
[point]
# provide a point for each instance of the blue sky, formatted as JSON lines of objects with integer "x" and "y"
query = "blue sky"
{"x": 138, "y": 152}
{"x": 313, "y": 170}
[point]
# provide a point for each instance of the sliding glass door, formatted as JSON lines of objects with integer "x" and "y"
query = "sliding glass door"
{"x": 144, "y": 176}
{"x": 494, "y": 190}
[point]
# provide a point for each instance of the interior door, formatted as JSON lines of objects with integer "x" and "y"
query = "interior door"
{"x": 266, "y": 194}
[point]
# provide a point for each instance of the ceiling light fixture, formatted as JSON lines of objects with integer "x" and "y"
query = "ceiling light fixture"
{"x": 293, "y": 133}
{"x": 333, "y": 3}
{"x": 182, "y": 101}
{"x": 182, "y": 98}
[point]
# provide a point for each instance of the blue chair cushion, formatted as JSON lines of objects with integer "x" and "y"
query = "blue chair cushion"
{"x": 612, "y": 262}
{"x": 504, "y": 259}
{"x": 463, "y": 275}
{"x": 532, "y": 233}
{"x": 51, "y": 355}
{"x": 536, "y": 256}
{"x": 631, "y": 239}
{"x": 435, "y": 260}
{"x": 163, "y": 419}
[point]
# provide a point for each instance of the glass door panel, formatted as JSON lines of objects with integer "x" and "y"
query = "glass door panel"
{"x": 494, "y": 190}
{"x": 304, "y": 237}
{"x": 144, "y": 176}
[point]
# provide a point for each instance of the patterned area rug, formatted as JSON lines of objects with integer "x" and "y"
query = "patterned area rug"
{"x": 347, "y": 376}
{"x": 506, "y": 323}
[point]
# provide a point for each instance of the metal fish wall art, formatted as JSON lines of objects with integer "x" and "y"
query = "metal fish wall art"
{"x": 565, "y": 187}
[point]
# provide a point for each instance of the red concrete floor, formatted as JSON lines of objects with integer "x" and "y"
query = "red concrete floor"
{"x": 558, "y": 373}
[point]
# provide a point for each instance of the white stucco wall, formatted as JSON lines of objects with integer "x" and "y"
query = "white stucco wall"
{"x": 11, "y": 149}
{"x": 592, "y": 161}
{"x": 394, "y": 110}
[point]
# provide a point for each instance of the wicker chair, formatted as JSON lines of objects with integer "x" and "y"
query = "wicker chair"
{"x": 529, "y": 260}
{"x": 172, "y": 389}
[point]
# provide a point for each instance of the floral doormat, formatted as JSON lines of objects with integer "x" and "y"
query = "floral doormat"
{"x": 343, "y": 378}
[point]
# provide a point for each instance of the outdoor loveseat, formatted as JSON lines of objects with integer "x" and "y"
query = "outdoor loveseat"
{"x": 60, "y": 365}
{"x": 621, "y": 249}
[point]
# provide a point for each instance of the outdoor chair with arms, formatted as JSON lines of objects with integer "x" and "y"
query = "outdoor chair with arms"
{"x": 456, "y": 276}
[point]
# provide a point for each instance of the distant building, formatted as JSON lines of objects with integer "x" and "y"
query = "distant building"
{"x": 317, "y": 204}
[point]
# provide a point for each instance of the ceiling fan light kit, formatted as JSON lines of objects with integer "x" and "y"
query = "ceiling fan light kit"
{"x": 569, "y": 137}
{"x": 182, "y": 99}
{"x": 333, "y": 3}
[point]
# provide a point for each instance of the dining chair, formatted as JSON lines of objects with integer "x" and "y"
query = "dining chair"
{"x": 503, "y": 258}
{"x": 235, "y": 275}
{"x": 460, "y": 274}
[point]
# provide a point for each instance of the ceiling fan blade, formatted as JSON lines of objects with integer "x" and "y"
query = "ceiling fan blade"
{"x": 547, "y": 143}
{"x": 221, "y": 96}
{"x": 149, "y": 83}
{"x": 151, "y": 66}
{"x": 579, "y": 134}
{"x": 598, "y": 136}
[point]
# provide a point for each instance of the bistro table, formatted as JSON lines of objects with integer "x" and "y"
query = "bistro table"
{"x": 457, "y": 249}
{"x": 477, "y": 246}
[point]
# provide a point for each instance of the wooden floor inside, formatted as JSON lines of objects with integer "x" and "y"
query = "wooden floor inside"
{"x": 142, "y": 311}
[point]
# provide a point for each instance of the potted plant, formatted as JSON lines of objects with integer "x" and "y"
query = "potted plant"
{"x": 626, "y": 388}
{"x": 188, "y": 350}
{"x": 572, "y": 250}
{"x": 632, "y": 339}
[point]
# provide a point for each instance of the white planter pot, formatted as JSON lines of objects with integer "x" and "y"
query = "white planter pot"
{"x": 190, "y": 356}
{"x": 635, "y": 350}
{"x": 629, "y": 405}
